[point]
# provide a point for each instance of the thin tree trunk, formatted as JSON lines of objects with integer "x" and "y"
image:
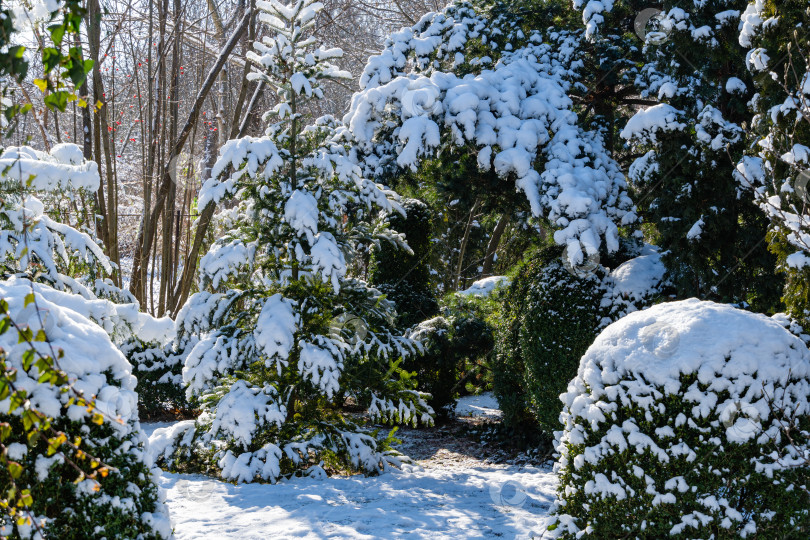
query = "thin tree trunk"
{"x": 252, "y": 105}
{"x": 493, "y": 244}
{"x": 167, "y": 253}
{"x": 464, "y": 241}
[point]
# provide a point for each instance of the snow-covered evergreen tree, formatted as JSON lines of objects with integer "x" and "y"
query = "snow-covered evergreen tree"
{"x": 777, "y": 163}
{"x": 689, "y": 144}
{"x": 66, "y": 381}
{"x": 462, "y": 84}
{"x": 287, "y": 336}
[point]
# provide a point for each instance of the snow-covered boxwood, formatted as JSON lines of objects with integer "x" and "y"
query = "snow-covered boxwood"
{"x": 675, "y": 425}
{"x": 550, "y": 317}
{"x": 87, "y": 474}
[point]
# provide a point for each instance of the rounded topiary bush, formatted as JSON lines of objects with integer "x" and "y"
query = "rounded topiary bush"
{"x": 97, "y": 482}
{"x": 676, "y": 426}
{"x": 550, "y": 317}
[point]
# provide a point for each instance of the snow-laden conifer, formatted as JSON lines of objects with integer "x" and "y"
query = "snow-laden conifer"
{"x": 286, "y": 334}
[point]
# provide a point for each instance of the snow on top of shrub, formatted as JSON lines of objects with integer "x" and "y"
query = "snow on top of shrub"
{"x": 63, "y": 169}
{"x": 649, "y": 122}
{"x": 730, "y": 350}
{"x": 119, "y": 321}
{"x": 676, "y": 412}
{"x": 88, "y": 354}
{"x": 639, "y": 277}
{"x": 484, "y": 287}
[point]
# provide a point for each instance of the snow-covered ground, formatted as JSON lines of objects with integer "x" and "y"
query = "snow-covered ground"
{"x": 478, "y": 502}
{"x": 454, "y": 492}
{"x": 482, "y": 406}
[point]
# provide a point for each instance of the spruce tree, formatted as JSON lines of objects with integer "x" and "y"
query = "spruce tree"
{"x": 288, "y": 336}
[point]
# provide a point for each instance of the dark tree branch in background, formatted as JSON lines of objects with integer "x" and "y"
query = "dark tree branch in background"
{"x": 146, "y": 235}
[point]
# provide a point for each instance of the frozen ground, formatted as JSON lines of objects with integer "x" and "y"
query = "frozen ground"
{"x": 458, "y": 490}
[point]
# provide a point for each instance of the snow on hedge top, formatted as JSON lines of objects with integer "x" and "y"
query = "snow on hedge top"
{"x": 484, "y": 287}
{"x": 516, "y": 114}
{"x": 728, "y": 349}
{"x": 639, "y": 277}
{"x": 92, "y": 363}
{"x": 63, "y": 169}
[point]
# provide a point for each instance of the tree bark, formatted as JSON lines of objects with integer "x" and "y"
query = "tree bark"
{"x": 493, "y": 244}
{"x": 146, "y": 235}
{"x": 464, "y": 241}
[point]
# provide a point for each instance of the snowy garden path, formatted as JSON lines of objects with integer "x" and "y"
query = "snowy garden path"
{"x": 458, "y": 491}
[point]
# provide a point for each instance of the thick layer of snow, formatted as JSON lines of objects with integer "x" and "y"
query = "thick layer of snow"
{"x": 484, "y": 287}
{"x": 515, "y": 114}
{"x": 484, "y": 405}
{"x": 741, "y": 362}
{"x": 639, "y": 277}
{"x": 437, "y": 503}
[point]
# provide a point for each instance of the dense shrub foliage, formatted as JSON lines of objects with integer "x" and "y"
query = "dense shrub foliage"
{"x": 688, "y": 419}
{"x": 404, "y": 277}
{"x": 76, "y": 466}
{"x": 457, "y": 348}
{"x": 550, "y": 317}
{"x": 159, "y": 369}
